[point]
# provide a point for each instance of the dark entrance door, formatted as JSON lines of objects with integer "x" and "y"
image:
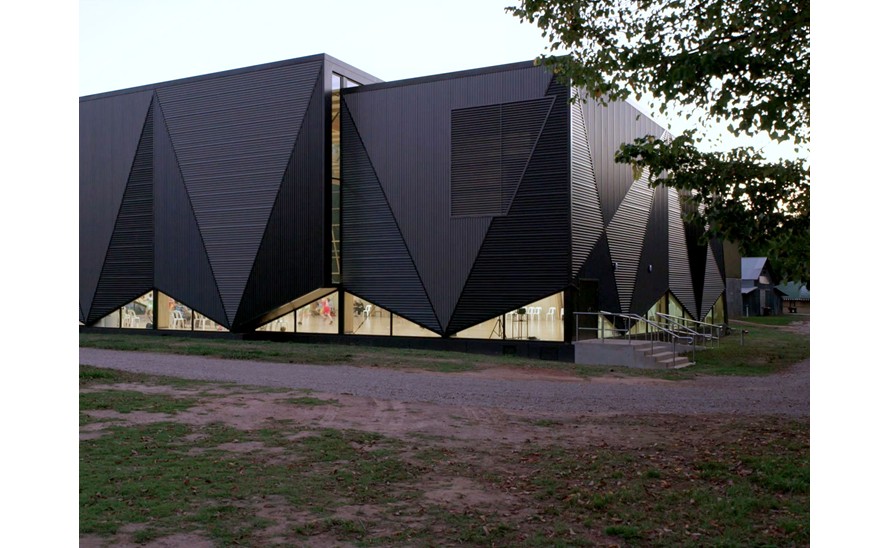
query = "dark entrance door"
{"x": 586, "y": 299}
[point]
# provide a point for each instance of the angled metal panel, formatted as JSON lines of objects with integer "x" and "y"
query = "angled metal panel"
{"x": 653, "y": 274}
{"x": 129, "y": 264}
{"x": 713, "y": 284}
{"x": 598, "y": 266}
{"x": 233, "y": 136}
{"x": 608, "y": 127}
{"x": 680, "y": 270}
{"x": 295, "y": 231}
{"x": 527, "y": 254}
{"x": 626, "y": 233}
{"x": 406, "y": 130}
{"x": 586, "y": 214}
{"x": 182, "y": 268}
{"x": 376, "y": 263}
{"x": 110, "y": 129}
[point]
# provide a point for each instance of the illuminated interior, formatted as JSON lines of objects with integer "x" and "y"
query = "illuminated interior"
{"x": 541, "y": 320}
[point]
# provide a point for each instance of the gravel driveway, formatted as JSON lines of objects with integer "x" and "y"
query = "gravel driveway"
{"x": 786, "y": 393}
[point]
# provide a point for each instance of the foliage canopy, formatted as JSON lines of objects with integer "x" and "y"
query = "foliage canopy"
{"x": 743, "y": 62}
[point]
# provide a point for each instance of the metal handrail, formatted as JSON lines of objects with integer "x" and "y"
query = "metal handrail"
{"x": 682, "y": 322}
{"x": 658, "y": 330}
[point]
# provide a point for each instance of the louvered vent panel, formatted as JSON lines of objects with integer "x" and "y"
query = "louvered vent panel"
{"x": 490, "y": 148}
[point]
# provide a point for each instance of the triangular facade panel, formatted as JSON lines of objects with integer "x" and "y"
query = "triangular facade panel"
{"x": 713, "y": 284}
{"x": 376, "y": 263}
{"x": 129, "y": 264}
{"x": 653, "y": 272}
{"x": 110, "y": 129}
{"x": 233, "y": 137}
{"x": 586, "y": 212}
{"x": 512, "y": 268}
{"x": 407, "y": 134}
{"x": 295, "y": 230}
{"x": 182, "y": 267}
{"x": 680, "y": 270}
{"x": 626, "y": 233}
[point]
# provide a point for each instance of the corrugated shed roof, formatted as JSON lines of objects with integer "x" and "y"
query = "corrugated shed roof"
{"x": 751, "y": 267}
{"x": 795, "y": 291}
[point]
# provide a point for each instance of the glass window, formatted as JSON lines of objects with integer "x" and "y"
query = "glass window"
{"x": 319, "y": 316}
{"x": 365, "y": 317}
{"x": 172, "y": 314}
{"x": 540, "y": 320}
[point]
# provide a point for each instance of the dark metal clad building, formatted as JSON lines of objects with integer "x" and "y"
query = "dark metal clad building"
{"x": 308, "y": 196}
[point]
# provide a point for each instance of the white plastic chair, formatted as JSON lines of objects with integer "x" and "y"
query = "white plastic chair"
{"x": 534, "y": 312}
{"x": 368, "y": 309}
{"x": 551, "y": 313}
{"x": 177, "y": 320}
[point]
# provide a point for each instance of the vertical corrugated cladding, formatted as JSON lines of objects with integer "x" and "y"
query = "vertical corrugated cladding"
{"x": 680, "y": 268}
{"x": 586, "y": 213}
{"x": 376, "y": 263}
{"x": 653, "y": 272}
{"x": 233, "y": 136}
{"x": 526, "y": 255}
{"x": 110, "y": 129}
{"x": 405, "y": 128}
{"x": 608, "y": 127}
{"x": 128, "y": 269}
{"x": 292, "y": 256}
{"x": 181, "y": 266}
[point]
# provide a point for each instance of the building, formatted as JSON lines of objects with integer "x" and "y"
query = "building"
{"x": 759, "y": 292}
{"x": 306, "y": 196}
{"x": 795, "y": 298}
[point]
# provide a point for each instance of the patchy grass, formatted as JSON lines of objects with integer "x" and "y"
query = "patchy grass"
{"x": 126, "y": 401}
{"x": 765, "y": 350}
{"x": 726, "y": 481}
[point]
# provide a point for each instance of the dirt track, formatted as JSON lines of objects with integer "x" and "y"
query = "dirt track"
{"x": 544, "y": 392}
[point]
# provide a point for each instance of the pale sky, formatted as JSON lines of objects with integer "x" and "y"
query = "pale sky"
{"x": 127, "y": 43}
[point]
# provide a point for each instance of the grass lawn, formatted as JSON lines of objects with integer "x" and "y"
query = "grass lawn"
{"x": 157, "y": 459}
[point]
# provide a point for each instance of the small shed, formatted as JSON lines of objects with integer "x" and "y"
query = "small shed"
{"x": 795, "y": 298}
{"x": 760, "y": 295}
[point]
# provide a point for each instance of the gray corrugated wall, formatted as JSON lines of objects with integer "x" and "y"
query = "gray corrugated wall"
{"x": 109, "y": 134}
{"x": 292, "y": 255}
{"x": 406, "y": 132}
{"x": 182, "y": 268}
{"x": 128, "y": 269}
{"x": 233, "y": 137}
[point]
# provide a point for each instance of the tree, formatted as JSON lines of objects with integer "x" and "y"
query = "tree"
{"x": 744, "y": 63}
